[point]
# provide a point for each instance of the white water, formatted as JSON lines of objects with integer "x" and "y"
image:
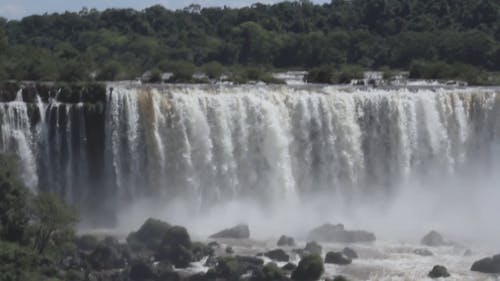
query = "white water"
{"x": 397, "y": 162}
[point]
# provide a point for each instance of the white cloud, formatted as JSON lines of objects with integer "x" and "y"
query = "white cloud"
{"x": 12, "y": 11}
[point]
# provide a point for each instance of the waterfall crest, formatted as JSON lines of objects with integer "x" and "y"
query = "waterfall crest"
{"x": 210, "y": 144}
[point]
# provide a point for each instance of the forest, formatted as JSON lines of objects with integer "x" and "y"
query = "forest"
{"x": 430, "y": 38}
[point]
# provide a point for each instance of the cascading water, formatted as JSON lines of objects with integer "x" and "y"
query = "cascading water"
{"x": 212, "y": 144}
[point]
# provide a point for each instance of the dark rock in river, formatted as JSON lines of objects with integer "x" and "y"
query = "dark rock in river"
{"x": 289, "y": 267}
{"x": 86, "y": 242}
{"x": 313, "y": 248}
{"x": 433, "y": 239}
{"x": 310, "y": 268}
{"x": 286, "y": 241}
{"x": 337, "y": 233}
{"x": 149, "y": 236}
{"x": 231, "y": 268}
{"x": 278, "y": 255}
{"x": 350, "y": 253}
{"x": 439, "y": 271}
{"x": 105, "y": 257}
{"x": 141, "y": 270}
{"x": 423, "y": 252}
{"x": 176, "y": 247}
{"x": 270, "y": 272}
{"x": 238, "y": 232}
{"x": 487, "y": 265}
{"x": 337, "y": 258}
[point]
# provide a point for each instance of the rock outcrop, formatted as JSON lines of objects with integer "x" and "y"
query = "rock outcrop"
{"x": 337, "y": 258}
{"x": 439, "y": 271}
{"x": 240, "y": 231}
{"x": 337, "y": 233}
{"x": 487, "y": 265}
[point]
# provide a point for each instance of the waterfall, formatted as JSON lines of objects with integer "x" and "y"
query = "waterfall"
{"x": 213, "y": 144}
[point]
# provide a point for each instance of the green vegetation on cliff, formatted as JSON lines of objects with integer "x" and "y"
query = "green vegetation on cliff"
{"x": 123, "y": 43}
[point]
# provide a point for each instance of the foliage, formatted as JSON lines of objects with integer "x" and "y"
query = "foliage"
{"x": 13, "y": 201}
{"x": 310, "y": 268}
{"x": 124, "y": 43}
{"x": 442, "y": 70}
{"x": 52, "y": 219}
{"x": 333, "y": 75}
{"x": 29, "y": 225}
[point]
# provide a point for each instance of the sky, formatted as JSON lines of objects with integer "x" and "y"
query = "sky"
{"x": 16, "y": 9}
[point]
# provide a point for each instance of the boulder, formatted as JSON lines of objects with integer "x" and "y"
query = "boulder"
{"x": 231, "y": 268}
{"x": 487, "y": 265}
{"x": 201, "y": 250}
{"x": 337, "y": 258}
{"x": 229, "y": 250}
{"x": 270, "y": 272}
{"x": 350, "y": 253}
{"x": 176, "y": 247}
{"x": 86, "y": 243}
{"x": 105, "y": 257}
{"x": 337, "y": 233}
{"x": 238, "y": 232}
{"x": 433, "y": 239}
{"x": 289, "y": 267}
{"x": 278, "y": 255}
{"x": 141, "y": 270}
{"x": 149, "y": 236}
{"x": 439, "y": 271}
{"x": 286, "y": 241}
{"x": 211, "y": 261}
{"x": 310, "y": 268}
{"x": 313, "y": 248}
{"x": 423, "y": 252}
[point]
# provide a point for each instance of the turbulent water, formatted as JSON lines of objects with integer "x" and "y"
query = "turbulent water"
{"x": 207, "y": 145}
{"x": 284, "y": 159}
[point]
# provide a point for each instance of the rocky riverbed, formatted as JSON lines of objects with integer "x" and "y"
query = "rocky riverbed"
{"x": 159, "y": 251}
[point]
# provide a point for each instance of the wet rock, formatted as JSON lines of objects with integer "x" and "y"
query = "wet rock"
{"x": 337, "y": 233}
{"x": 300, "y": 252}
{"x": 141, "y": 270}
{"x": 106, "y": 257}
{"x": 337, "y": 258}
{"x": 201, "y": 250}
{"x": 423, "y": 252}
{"x": 176, "y": 247}
{"x": 270, "y": 272}
{"x": 286, "y": 241}
{"x": 231, "y": 268}
{"x": 313, "y": 248}
{"x": 211, "y": 261}
{"x": 439, "y": 271}
{"x": 487, "y": 265}
{"x": 433, "y": 239}
{"x": 350, "y": 253}
{"x": 86, "y": 243}
{"x": 310, "y": 268}
{"x": 339, "y": 278}
{"x": 149, "y": 236}
{"x": 213, "y": 245}
{"x": 289, "y": 267}
{"x": 278, "y": 255}
{"x": 238, "y": 232}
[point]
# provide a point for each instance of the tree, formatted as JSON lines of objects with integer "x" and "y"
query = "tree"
{"x": 50, "y": 217}
{"x": 13, "y": 201}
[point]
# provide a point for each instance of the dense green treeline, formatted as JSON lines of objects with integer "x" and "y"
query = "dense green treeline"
{"x": 124, "y": 43}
